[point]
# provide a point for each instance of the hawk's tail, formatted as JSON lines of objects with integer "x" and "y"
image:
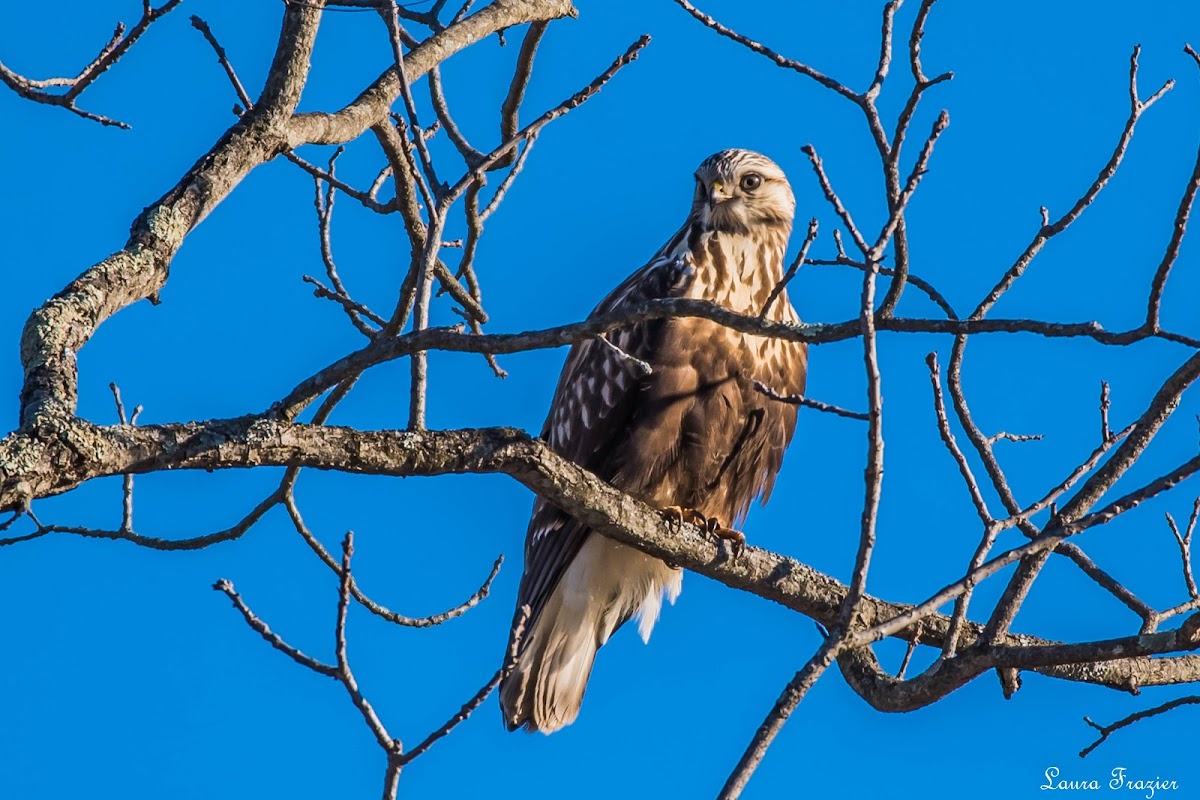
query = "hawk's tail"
{"x": 606, "y": 584}
{"x": 546, "y": 687}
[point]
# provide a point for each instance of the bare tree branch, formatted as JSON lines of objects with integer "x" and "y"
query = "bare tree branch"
{"x": 373, "y": 103}
{"x": 55, "y": 451}
{"x": 272, "y": 638}
{"x": 1109, "y": 730}
{"x": 110, "y": 54}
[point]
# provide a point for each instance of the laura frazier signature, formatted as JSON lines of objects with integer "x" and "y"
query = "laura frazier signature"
{"x": 1119, "y": 779}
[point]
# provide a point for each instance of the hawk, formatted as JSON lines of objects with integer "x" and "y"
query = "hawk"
{"x": 692, "y": 438}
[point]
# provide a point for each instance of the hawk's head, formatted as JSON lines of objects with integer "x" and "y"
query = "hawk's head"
{"x": 740, "y": 190}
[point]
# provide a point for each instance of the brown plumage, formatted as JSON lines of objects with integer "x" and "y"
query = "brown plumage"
{"x": 694, "y": 433}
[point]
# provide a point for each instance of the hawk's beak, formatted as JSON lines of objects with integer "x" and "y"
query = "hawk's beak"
{"x": 718, "y": 193}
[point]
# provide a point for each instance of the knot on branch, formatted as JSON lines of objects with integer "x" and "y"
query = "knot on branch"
{"x": 1189, "y": 632}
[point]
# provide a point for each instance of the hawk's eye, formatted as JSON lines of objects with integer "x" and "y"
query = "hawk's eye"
{"x": 751, "y": 182}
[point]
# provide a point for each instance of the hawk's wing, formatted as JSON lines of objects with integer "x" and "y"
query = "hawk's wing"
{"x": 590, "y": 415}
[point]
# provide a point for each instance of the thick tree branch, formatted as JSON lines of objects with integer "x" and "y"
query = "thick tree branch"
{"x": 54, "y": 333}
{"x": 373, "y": 104}
{"x": 251, "y": 442}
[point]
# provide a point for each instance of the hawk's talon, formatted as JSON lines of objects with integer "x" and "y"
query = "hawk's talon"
{"x": 736, "y": 539}
{"x": 674, "y": 517}
{"x": 677, "y": 515}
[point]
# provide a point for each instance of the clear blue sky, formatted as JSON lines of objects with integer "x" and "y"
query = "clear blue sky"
{"x": 125, "y": 675}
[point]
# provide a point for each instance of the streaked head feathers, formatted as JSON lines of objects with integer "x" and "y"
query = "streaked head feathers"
{"x": 737, "y": 190}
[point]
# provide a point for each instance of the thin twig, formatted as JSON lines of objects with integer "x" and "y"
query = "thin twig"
{"x": 272, "y": 638}
{"x": 476, "y": 597}
{"x": 1184, "y": 540}
{"x": 809, "y": 238}
{"x": 571, "y": 103}
{"x": 960, "y": 459}
{"x": 891, "y": 165}
{"x": 908, "y": 652}
{"x": 223, "y": 58}
{"x": 788, "y": 701}
{"x": 468, "y": 708}
{"x": 885, "y": 49}
{"x": 323, "y": 203}
{"x": 509, "y": 178}
{"x": 991, "y": 530}
{"x": 634, "y": 365}
{"x": 351, "y": 306}
{"x": 1105, "y": 432}
{"x": 117, "y": 45}
{"x": 399, "y": 37}
{"x": 127, "y": 478}
{"x": 380, "y": 179}
{"x": 816, "y": 405}
{"x": 1109, "y": 730}
{"x": 343, "y": 672}
{"x": 914, "y": 41}
{"x": 835, "y": 201}
{"x": 1159, "y": 283}
{"x": 782, "y": 61}
{"x": 1048, "y": 231}
{"x": 367, "y": 199}
{"x": 509, "y": 111}
{"x": 437, "y": 98}
{"x": 923, "y": 285}
{"x": 920, "y": 167}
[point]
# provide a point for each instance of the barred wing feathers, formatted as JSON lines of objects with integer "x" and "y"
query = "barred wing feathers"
{"x": 590, "y": 416}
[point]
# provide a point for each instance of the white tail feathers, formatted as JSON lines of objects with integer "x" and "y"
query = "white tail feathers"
{"x": 606, "y": 584}
{"x": 546, "y": 687}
